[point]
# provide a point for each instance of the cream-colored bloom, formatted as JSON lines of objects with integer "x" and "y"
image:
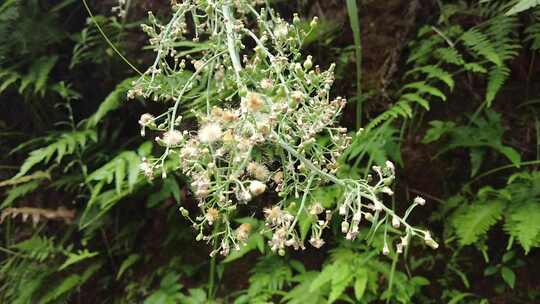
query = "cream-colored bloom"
{"x": 267, "y": 84}
{"x": 316, "y": 209}
{"x": 210, "y": 133}
{"x": 273, "y": 215}
{"x": 344, "y": 226}
{"x": 385, "y": 249}
{"x": 172, "y": 138}
{"x": 420, "y": 201}
{"x": 146, "y": 119}
{"x": 395, "y": 222}
{"x": 257, "y": 188}
{"x": 316, "y": 242}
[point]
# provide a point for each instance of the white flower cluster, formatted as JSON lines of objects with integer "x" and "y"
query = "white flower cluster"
{"x": 271, "y": 128}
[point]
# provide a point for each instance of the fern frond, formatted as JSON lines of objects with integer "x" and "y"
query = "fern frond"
{"x": 74, "y": 258}
{"x": 436, "y": 72}
{"x": 19, "y": 191}
{"x": 111, "y": 103}
{"x": 479, "y": 44}
{"x": 124, "y": 165}
{"x": 38, "y": 248}
{"x": 449, "y": 55}
{"x": 420, "y": 52}
{"x": 400, "y": 109}
{"x": 8, "y": 77}
{"x": 62, "y": 146}
{"x": 424, "y": 87}
{"x": 474, "y": 220}
{"x": 411, "y": 97}
{"x": 38, "y": 74}
{"x": 496, "y": 79}
{"x": 523, "y": 224}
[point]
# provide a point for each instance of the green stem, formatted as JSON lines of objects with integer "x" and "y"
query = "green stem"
{"x": 108, "y": 40}
{"x": 211, "y": 275}
{"x": 231, "y": 42}
{"x": 391, "y": 279}
{"x": 352, "y": 10}
{"x": 527, "y": 163}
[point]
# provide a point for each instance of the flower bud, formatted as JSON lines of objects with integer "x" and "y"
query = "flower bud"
{"x": 344, "y": 226}
{"x": 420, "y": 201}
{"x": 308, "y": 63}
{"x": 385, "y": 249}
{"x": 184, "y": 212}
{"x": 314, "y": 22}
{"x": 395, "y": 222}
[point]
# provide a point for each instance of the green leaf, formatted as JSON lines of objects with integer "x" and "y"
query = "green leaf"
{"x": 490, "y": 270}
{"x": 324, "y": 277}
{"x": 19, "y": 191}
{"x": 416, "y": 98}
{"x": 438, "y": 129}
{"x": 67, "y": 285}
{"x": 252, "y": 243}
{"x": 112, "y": 102}
{"x": 508, "y": 276}
{"x": 360, "y": 283}
{"x": 521, "y": 6}
{"x": 341, "y": 278}
{"x": 522, "y": 223}
{"x": 119, "y": 174}
{"x": 476, "y": 155}
{"x": 127, "y": 263}
{"x": 74, "y": 258}
{"x": 479, "y": 43}
{"x": 423, "y": 87}
{"x": 476, "y": 219}
{"x": 511, "y": 154}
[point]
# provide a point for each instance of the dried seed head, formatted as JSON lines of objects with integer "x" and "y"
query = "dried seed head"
{"x": 297, "y": 96}
{"x": 278, "y": 177}
{"x": 253, "y": 102}
{"x": 258, "y": 171}
{"x": 212, "y": 215}
{"x": 242, "y": 232}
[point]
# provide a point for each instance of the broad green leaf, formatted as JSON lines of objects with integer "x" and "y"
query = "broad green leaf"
{"x": 508, "y": 276}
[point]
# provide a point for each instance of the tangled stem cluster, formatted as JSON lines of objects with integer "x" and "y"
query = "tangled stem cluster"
{"x": 269, "y": 126}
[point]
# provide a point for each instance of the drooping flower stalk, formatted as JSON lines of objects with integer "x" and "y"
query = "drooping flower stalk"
{"x": 269, "y": 125}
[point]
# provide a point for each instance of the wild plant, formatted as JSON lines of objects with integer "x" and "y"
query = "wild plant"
{"x": 269, "y": 127}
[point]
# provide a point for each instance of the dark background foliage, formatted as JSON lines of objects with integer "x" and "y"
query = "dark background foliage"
{"x": 449, "y": 91}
